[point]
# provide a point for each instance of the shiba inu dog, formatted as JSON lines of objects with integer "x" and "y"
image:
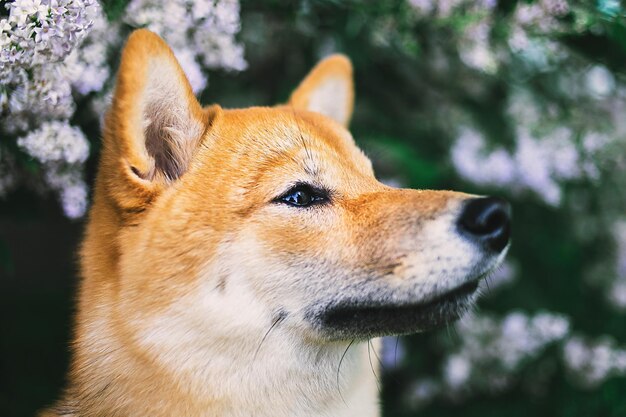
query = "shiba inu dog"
{"x": 236, "y": 262}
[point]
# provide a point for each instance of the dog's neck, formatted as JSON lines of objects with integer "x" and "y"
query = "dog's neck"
{"x": 170, "y": 370}
{"x": 291, "y": 378}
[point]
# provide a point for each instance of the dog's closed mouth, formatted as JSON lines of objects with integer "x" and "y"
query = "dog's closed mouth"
{"x": 353, "y": 319}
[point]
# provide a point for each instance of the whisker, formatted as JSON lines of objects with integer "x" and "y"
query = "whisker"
{"x": 280, "y": 318}
{"x": 378, "y": 358}
{"x": 339, "y": 368}
{"x": 369, "y": 356}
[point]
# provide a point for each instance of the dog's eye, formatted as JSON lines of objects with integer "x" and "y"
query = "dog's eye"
{"x": 303, "y": 195}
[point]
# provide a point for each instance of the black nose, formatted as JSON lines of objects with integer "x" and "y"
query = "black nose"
{"x": 488, "y": 221}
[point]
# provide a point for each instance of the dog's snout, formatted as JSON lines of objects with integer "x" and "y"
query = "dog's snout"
{"x": 488, "y": 221}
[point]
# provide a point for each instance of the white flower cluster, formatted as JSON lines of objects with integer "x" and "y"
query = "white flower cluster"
{"x": 600, "y": 81}
{"x": 45, "y": 91}
{"x": 199, "y": 31}
{"x": 445, "y": 8}
{"x": 40, "y": 93}
{"x": 56, "y": 142}
{"x": 41, "y": 31}
{"x": 69, "y": 183}
{"x": 491, "y": 351}
{"x": 52, "y": 52}
{"x": 537, "y": 164}
{"x": 474, "y": 48}
{"x": 545, "y": 154}
{"x": 494, "y": 348}
{"x": 593, "y": 362}
{"x": 61, "y": 149}
{"x": 87, "y": 67}
{"x": 35, "y": 82}
{"x": 529, "y": 24}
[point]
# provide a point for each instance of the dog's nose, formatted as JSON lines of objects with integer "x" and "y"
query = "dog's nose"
{"x": 488, "y": 221}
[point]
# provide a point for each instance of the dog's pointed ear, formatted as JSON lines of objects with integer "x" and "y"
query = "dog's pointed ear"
{"x": 328, "y": 89}
{"x": 155, "y": 122}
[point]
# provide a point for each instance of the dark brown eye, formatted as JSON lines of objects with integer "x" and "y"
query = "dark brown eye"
{"x": 303, "y": 195}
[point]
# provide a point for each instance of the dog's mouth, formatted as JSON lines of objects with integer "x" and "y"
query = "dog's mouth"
{"x": 354, "y": 319}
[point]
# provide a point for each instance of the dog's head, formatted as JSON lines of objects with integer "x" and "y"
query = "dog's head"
{"x": 232, "y": 220}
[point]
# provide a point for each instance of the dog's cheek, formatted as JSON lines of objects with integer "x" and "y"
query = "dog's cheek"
{"x": 292, "y": 233}
{"x": 291, "y": 252}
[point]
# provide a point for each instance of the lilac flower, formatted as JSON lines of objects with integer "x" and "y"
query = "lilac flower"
{"x": 47, "y": 55}
{"x": 537, "y": 164}
{"x": 592, "y": 362}
{"x": 489, "y": 353}
{"x": 56, "y": 142}
{"x": 44, "y": 94}
{"x": 87, "y": 67}
{"x": 40, "y": 31}
{"x": 69, "y": 184}
{"x": 600, "y": 81}
{"x": 61, "y": 149}
{"x": 198, "y": 31}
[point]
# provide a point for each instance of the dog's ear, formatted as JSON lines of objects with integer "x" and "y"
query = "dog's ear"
{"x": 154, "y": 124}
{"x": 328, "y": 89}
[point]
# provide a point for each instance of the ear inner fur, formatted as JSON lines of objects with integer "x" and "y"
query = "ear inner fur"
{"x": 155, "y": 121}
{"x": 170, "y": 131}
{"x": 328, "y": 89}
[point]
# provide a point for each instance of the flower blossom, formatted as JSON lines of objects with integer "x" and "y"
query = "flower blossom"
{"x": 198, "y": 31}
{"x": 592, "y": 362}
{"x": 489, "y": 353}
{"x": 538, "y": 164}
{"x": 61, "y": 149}
{"x": 42, "y": 31}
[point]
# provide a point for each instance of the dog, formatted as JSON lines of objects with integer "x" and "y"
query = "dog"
{"x": 237, "y": 262}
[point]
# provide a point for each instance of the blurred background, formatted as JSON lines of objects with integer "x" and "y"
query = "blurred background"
{"x": 522, "y": 99}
